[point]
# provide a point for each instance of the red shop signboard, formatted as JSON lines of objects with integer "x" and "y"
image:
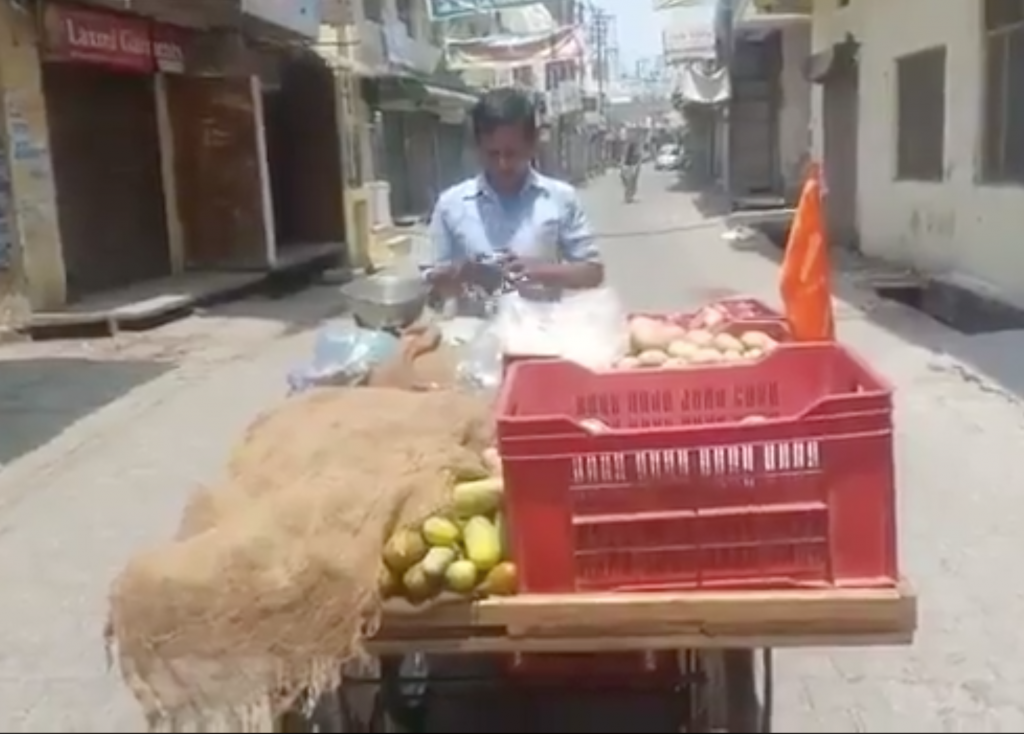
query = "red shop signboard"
{"x": 115, "y": 41}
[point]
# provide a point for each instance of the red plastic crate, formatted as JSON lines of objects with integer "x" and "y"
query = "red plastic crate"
{"x": 677, "y": 492}
{"x": 744, "y": 308}
{"x": 736, "y": 308}
{"x": 742, "y": 314}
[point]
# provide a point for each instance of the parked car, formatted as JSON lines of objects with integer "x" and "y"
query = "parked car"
{"x": 669, "y": 158}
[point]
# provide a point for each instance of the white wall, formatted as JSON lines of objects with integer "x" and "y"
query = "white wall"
{"x": 955, "y": 227}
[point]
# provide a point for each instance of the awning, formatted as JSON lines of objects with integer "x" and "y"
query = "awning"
{"x": 451, "y": 95}
{"x": 407, "y": 91}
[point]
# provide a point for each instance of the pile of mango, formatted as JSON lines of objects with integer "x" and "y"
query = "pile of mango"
{"x": 462, "y": 550}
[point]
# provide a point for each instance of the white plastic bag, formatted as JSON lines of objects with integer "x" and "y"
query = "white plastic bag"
{"x": 343, "y": 354}
{"x": 589, "y": 327}
{"x": 480, "y": 366}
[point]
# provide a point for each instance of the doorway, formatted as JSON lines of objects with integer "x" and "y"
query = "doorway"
{"x": 218, "y": 172}
{"x": 304, "y": 154}
{"x": 840, "y": 109}
{"x": 754, "y": 117}
{"x": 106, "y": 168}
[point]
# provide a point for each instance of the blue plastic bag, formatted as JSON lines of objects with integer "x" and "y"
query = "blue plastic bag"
{"x": 343, "y": 354}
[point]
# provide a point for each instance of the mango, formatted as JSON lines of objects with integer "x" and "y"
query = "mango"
{"x": 441, "y": 532}
{"x": 502, "y": 580}
{"x": 403, "y": 549}
{"x": 482, "y": 497}
{"x": 483, "y": 546}
{"x": 502, "y": 528}
{"x": 418, "y": 586}
{"x": 437, "y": 560}
{"x": 461, "y": 576}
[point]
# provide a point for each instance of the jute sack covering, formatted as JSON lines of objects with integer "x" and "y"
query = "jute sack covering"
{"x": 270, "y": 584}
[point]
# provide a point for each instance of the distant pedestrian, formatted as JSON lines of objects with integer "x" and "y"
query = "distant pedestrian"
{"x": 629, "y": 171}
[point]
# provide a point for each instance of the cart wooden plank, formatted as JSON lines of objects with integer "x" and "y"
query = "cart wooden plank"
{"x": 609, "y": 622}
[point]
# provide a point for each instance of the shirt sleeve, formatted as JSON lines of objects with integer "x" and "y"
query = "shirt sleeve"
{"x": 442, "y": 244}
{"x": 577, "y": 243}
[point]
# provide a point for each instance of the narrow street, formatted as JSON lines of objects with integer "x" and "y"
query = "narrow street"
{"x": 111, "y": 437}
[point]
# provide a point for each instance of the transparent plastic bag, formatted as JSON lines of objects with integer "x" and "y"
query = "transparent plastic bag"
{"x": 343, "y": 354}
{"x": 589, "y": 327}
{"x": 481, "y": 365}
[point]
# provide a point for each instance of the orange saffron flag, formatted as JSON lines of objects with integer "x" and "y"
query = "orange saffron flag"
{"x": 806, "y": 278}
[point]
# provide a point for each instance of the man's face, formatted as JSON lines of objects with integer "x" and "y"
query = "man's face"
{"x": 506, "y": 154}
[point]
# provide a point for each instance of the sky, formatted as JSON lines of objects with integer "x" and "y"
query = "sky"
{"x": 639, "y": 29}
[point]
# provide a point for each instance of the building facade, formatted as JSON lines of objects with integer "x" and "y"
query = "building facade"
{"x": 741, "y": 87}
{"x": 143, "y": 140}
{"x": 769, "y": 108}
{"x": 916, "y": 118}
{"x": 405, "y": 130}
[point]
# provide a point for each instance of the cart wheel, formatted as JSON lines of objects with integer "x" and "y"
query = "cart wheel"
{"x": 328, "y": 714}
{"x": 728, "y": 701}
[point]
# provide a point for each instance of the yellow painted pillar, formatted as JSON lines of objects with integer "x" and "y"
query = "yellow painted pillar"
{"x": 356, "y": 204}
{"x": 39, "y": 258}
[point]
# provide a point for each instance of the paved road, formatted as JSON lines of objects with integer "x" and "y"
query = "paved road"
{"x": 110, "y": 437}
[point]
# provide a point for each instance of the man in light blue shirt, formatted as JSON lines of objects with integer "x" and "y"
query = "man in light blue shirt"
{"x": 510, "y": 213}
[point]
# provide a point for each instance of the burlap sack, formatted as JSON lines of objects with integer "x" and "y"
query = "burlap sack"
{"x": 270, "y": 583}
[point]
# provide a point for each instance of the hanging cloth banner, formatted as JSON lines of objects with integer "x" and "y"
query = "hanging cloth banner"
{"x": 690, "y": 34}
{"x": 507, "y": 51}
{"x": 447, "y": 9}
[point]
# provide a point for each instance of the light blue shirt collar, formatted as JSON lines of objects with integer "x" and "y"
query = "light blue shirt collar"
{"x": 484, "y": 188}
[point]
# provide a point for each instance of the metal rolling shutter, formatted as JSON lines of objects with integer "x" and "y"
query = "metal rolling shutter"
{"x": 106, "y": 167}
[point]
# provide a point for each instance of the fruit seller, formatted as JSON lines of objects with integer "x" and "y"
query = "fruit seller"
{"x": 509, "y": 215}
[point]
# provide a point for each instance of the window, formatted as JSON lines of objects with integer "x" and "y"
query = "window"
{"x": 557, "y": 71}
{"x": 373, "y": 10}
{"x": 1003, "y": 131}
{"x": 921, "y": 115}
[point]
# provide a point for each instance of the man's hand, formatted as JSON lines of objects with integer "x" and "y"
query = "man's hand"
{"x": 449, "y": 280}
{"x": 446, "y": 280}
{"x": 529, "y": 268}
{"x": 556, "y": 275}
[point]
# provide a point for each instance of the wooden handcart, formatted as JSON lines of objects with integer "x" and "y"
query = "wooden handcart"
{"x": 719, "y": 636}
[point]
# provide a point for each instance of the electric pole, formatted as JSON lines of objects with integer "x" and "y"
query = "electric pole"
{"x": 600, "y": 21}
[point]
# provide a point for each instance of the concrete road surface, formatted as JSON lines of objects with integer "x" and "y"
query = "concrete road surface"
{"x": 102, "y": 442}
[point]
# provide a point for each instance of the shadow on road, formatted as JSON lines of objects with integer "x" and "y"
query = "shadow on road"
{"x": 40, "y": 398}
{"x": 994, "y": 354}
{"x": 298, "y": 305}
{"x": 710, "y": 201}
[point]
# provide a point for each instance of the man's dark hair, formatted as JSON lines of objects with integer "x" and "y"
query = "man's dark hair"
{"x": 503, "y": 107}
